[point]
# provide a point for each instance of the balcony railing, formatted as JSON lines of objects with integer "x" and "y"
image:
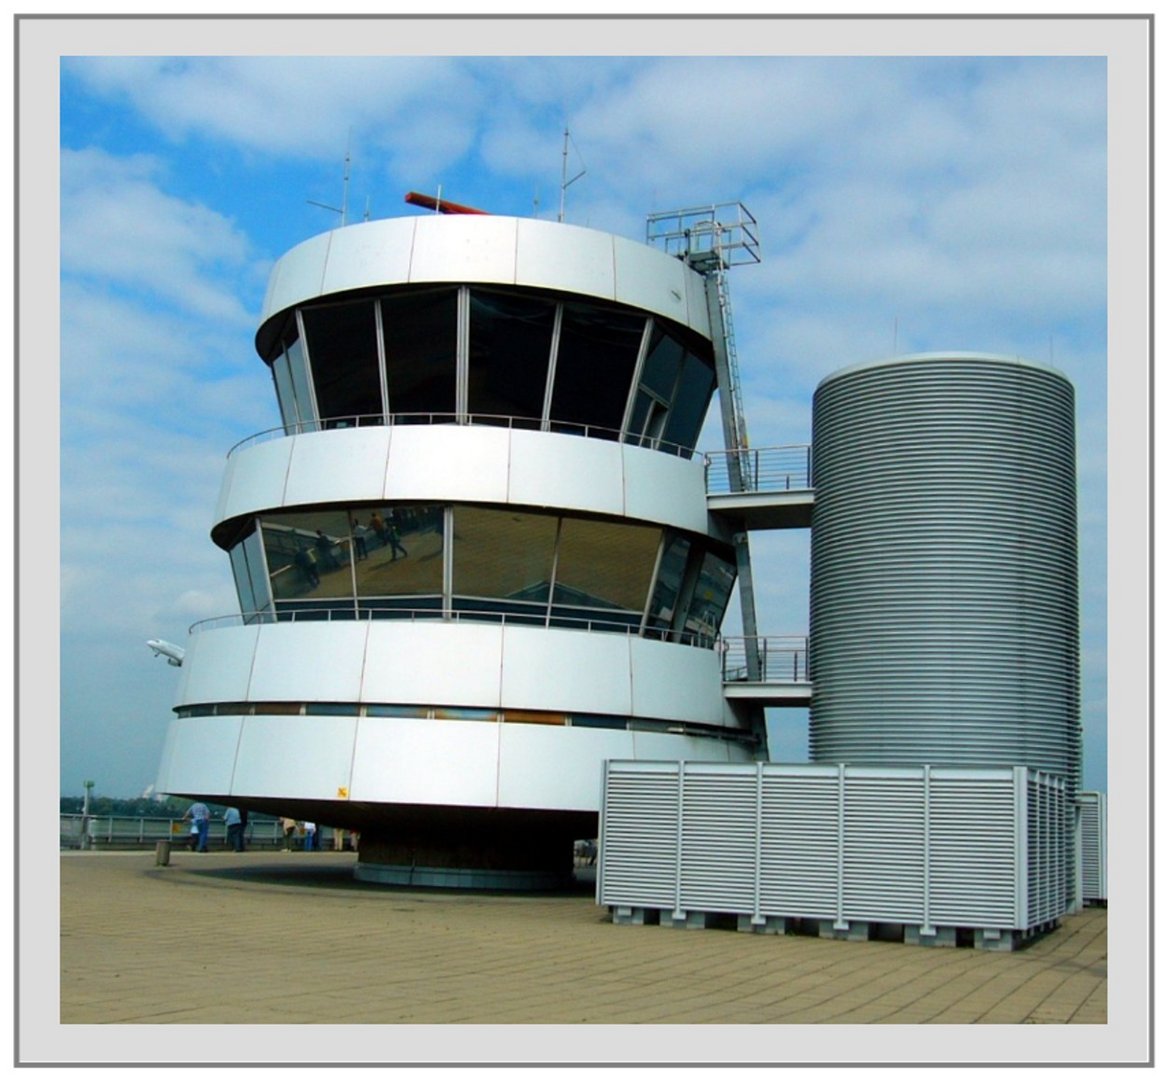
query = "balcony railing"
{"x": 592, "y": 623}
{"x": 522, "y": 423}
{"x": 779, "y": 659}
{"x": 767, "y": 469}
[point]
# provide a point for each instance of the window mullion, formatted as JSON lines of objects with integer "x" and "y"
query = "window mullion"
{"x": 637, "y": 373}
{"x": 545, "y": 425}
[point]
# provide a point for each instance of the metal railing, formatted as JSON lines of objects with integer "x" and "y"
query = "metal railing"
{"x": 348, "y": 613}
{"x": 781, "y": 659}
{"x": 109, "y": 832}
{"x": 522, "y": 423}
{"x": 769, "y": 469}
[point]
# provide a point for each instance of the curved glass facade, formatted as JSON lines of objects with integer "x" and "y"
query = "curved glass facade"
{"x": 541, "y": 569}
{"x": 522, "y": 357}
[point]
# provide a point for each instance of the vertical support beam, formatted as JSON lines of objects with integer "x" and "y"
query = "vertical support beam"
{"x": 677, "y": 913}
{"x": 927, "y": 928}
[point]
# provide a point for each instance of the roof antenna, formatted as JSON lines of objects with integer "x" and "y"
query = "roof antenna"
{"x": 567, "y": 140}
{"x": 342, "y": 209}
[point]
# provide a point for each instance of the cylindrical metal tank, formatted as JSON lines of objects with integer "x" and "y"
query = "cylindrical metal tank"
{"x": 944, "y": 598}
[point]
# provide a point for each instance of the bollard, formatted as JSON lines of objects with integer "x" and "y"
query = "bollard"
{"x": 162, "y": 853}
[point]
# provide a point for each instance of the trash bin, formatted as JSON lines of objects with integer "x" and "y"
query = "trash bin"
{"x": 162, "y": 853}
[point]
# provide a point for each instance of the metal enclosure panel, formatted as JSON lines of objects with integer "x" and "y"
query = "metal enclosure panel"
{"x": 566, "y": 471}
{"x": 675, "y": 681}
{"x": 645, "y": 280}
{"x": 567, "y": 670}
{"x": 555, "y": 768}
{"x": 552, "y": 255}
{"x": 200, "y": 756}
{"x": 300, "y": 757}
{"x": 973, "y": 882}
{"x": 639, "y": 835}
{"x": 472, "y": 247}
{"x": 307, "y": 661}
{"x": 718, "y": 837}
{"x": 800, "y": 838}
{"x": 433, "y": 663}
{"x": 217, "y": 665}
{"x": 338, "y": 466}
{"x": 429, "y": 762}
{"x": 255, "y": 479}
{"x": 659, "y": 487}
{"x": 372, "y": 253}
{"x": 297, "y": 276}
{"x": 447, "y": 462}
{"x": 1093, "y": 857}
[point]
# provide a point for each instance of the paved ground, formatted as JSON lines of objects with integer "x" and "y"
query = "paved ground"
{"x": 270, "y": 938}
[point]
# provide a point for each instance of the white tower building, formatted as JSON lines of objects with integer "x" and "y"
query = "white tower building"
{"x": 477, "y": 560}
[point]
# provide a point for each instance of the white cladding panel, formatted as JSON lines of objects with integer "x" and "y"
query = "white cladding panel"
{"x": 297, "y": 275}
{"x": 447, "y": 462}
{"x": 566, "y": 669}
{"x": 302, "y": 757}
{"x": 658, "y": 746}
{"x": 432, "y": 762}
{"x": 480, "y": 248}
{"x": 200, "y": 755}
{"x": 256, "y": 477}
{"x": 217, "y": 665}
{"x": 337, "y": 466}
{"x": 466, "y": 464}
{"x": 659, "y": 487}
{"x": 643, "y": 281}
{"x": 434, "y": 663}
{"x": 373, "y": 253}
{"x": 680, "y": 683}
{"x": 552, "y": 255}
{"x": 566, "y": 471}
{"x": 554, "y": 766}
{"x": 307, "y": 661}
{"x": 490, "y": 249}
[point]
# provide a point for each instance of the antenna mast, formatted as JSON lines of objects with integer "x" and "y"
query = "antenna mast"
{"x": 342, "y": 209}
{"x": 565, "y": 183}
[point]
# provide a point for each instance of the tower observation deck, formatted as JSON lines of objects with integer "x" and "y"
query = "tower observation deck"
{"x": 476, "y": 560}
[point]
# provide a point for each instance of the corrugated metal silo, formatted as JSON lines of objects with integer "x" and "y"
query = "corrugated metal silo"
{"x": 944, "y": 599}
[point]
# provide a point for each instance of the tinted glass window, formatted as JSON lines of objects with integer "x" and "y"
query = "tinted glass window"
{"x": 662, "y": 610}
{"x": 497, "y": 553}
{"x": 711, "y": 595}
{"x": 298, "y": 366}
{"x": 308, "y": 555}
{"x": 284, "y": 393}
{"x": 662, "y": 364}
{"x": 605, "y": 565}
{"x": 242, "y": 579}
{"x": 420, "y": 332}
{"x": 691, "y": 402}
{"x": 343, "y": 348}
{"x": 510, "y": 348}
{"x": 260, "y": 589}
{"x": 398, "y": 551}
{"x": 596, "y": 360}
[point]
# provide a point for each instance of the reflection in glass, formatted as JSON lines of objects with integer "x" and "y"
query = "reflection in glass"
{"x": 510, "y": 348}
{"x": 260, "y": 588}
{"x": 505, "y": 556}
{"x": 308, "y": 555}
{"x": 298, "y": 366}
{"x": 711, "y": 596}
{"x": 420, "y": 331}
{"x": 242, "y": 579}
{"x": 285, "y": 395}
{"x": 343, "y": 348}
{"x": 597, "y": 356}
{"x": 398, "y": 551}
{"x": 662, "y": 364}
{"x": 692, "y": 400}
{"x": 605, "y": 565}
{"x": 662, "y": 610}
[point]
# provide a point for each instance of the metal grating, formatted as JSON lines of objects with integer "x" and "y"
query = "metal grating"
{"x": 1092, "y": 835}
{"x": 799, "y": 841}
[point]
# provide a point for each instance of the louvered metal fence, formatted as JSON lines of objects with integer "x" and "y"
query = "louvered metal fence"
{"x": 1092, "y": 853}
{"x": 919, "y": 846}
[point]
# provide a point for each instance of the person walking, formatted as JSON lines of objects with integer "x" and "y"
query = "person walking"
{"x": 200, "y": 818}
{"x": 309, "y": 836}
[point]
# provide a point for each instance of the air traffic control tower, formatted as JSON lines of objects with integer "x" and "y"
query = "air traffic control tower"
{"x": 477, "y": 558}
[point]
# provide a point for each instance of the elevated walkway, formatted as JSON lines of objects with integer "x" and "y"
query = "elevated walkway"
{"x": 769, "y": 671}
{"x": 769, "y": 488}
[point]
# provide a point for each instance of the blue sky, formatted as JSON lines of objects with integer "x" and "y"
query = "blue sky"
{"x": 904, "y": 204}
